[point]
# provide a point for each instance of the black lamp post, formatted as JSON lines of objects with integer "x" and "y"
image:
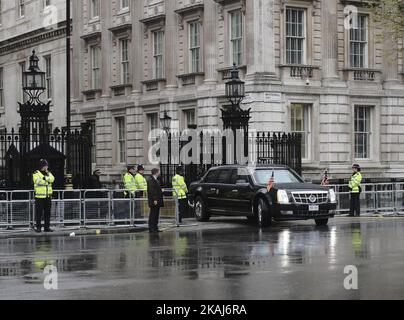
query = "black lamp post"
{"x": 165, "y": 122}
{"x": 233, "y": 116}
{"x": 68, "y": 174}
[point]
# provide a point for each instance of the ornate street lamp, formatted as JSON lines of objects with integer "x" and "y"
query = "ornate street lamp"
{"x": 233, "y": 116}
{"x": 235, "y": 88}
{"x": 33, "y": 80}
{"x": 166, "y": 122}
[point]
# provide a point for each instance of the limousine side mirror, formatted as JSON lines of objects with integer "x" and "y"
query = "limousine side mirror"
{"x": 242, "y": 183}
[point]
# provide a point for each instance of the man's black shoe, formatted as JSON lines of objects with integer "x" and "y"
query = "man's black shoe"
{"x": 37, "y": 230}
{"x": 48, "y": 230}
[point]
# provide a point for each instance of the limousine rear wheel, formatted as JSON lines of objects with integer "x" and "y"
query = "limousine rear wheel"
{"x": 321, "y": 222}
{"x": 200, "y": 210}
{"x": 263, "y": 214}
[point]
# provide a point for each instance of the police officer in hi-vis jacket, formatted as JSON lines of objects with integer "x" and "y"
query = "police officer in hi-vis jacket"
{"x": 181, "y": 191}
{"x": 43, "y": 180}
{"x": 355, "y": 191}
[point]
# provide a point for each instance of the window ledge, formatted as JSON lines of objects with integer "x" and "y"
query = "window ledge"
{"x": 154, "y": 19}
{"x": 362, "y": 74}
{"x": 154, "y": 84}
{"x": 92, "y": 94}
{"x": 91, "y": 35}
{"x": 121, "y": 89}
{"x": 190, "y": 9}
{"x": 121, "y": 28}
{"x": 190, "y": 78}
{"x": 299, "y": 71}
{"x": 226, "y": 72}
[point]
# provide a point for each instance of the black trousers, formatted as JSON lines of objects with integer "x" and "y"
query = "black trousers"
{"x": 43, "y": 209}
{"x": 355, "y": 206}
{"x": 154, "y": 217}
{"x": 182, "y": 208}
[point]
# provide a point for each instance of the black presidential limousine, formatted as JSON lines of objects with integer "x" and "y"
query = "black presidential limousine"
{"x": 243, "y": 191}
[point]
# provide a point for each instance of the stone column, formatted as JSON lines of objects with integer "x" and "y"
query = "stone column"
{"x": 78, "y": 51}
{"x": 390, "y": 63}
{"x": 209, "y": 41}
{"x": 329, "y": 39}
{"x": 106, "y": 47}
{"x": 137, "y": 46}
{"x": 260, "y": 36}
{"x": 171, "y": 44}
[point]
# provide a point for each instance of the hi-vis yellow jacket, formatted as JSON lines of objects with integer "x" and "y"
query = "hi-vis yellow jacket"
{"x": 355, "y": 182}
{"x": 43, "y": 184}
{"x": 129, "y": 182}
{"x": 141, "y": 183}
{"x": 180, "y": 187}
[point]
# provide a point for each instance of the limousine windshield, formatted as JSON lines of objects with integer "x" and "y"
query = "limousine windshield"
{"x": 262, "y": 176}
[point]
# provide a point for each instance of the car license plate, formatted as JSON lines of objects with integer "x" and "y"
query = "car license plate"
{"x": 314, "y": 208}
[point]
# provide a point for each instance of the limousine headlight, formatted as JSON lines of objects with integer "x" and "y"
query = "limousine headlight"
{"x": 282, "y": 197}
{"x": 332, "y": 196}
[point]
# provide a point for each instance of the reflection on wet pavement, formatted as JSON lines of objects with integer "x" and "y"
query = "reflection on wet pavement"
{"x": 288, "y": 261}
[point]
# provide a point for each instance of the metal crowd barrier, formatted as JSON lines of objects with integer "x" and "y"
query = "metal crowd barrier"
{"x": 375, "y": 198}
{"x": 84, "y": 209}
{"x": 104, "y": 207}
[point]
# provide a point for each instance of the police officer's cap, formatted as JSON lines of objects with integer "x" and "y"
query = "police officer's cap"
{"x": 140, "y": 167}
{"x": 356, "y": 166}
{"x": 131, "y": 168}
{"x": 179, "y": 170}
{"x": 43, "y": 163}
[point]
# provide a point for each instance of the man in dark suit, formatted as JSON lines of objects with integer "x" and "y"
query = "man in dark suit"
{"x": 155, "y": 197}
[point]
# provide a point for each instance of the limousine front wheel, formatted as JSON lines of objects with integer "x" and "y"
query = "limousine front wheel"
{"x": 200, "y": 210}
{"x": 263, "y": 214}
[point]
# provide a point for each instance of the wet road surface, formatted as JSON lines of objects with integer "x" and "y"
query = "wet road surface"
{"x": 224, "y": 259}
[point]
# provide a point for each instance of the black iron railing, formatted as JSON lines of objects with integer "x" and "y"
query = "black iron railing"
{"x": 264, "y": 148}
{"x": 20, "y": 154}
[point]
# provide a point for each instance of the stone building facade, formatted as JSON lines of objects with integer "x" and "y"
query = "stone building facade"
{"x": 25, "y": 26}
{"x": 314, "y": 66}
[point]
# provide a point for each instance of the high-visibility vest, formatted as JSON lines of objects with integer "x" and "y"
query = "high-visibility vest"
{"x": 355, "y": 182}
{"x": 180, "y": 187}
{"x": 140, "y": 183}
{"x": 43, "y": 185}
{"x": 129, "y": 183}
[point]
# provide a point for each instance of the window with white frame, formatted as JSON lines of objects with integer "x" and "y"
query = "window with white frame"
{"x": 158, "y": 62}
{"x": 189, "y": 117}
{"x": 362, "y": 131}
{"x": 295, "y": 36}
{"x": 236, "y": 37}
{"x": 1, "y": 87}
{"x": 96, "y": 67}
{"x": 95, "y": 8}
{"x": 153, "y": 125}
{"x": 300, "y": 123}
{"x": 48, "y": 76}
{"x": 121, "y": 139}
{"x": 124, "y": 4}
{"x": 194, "y": 47}
{"x": 21, "y": 8}
{"x": 358, "y": 42}
{"x": 125, "y": 70}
